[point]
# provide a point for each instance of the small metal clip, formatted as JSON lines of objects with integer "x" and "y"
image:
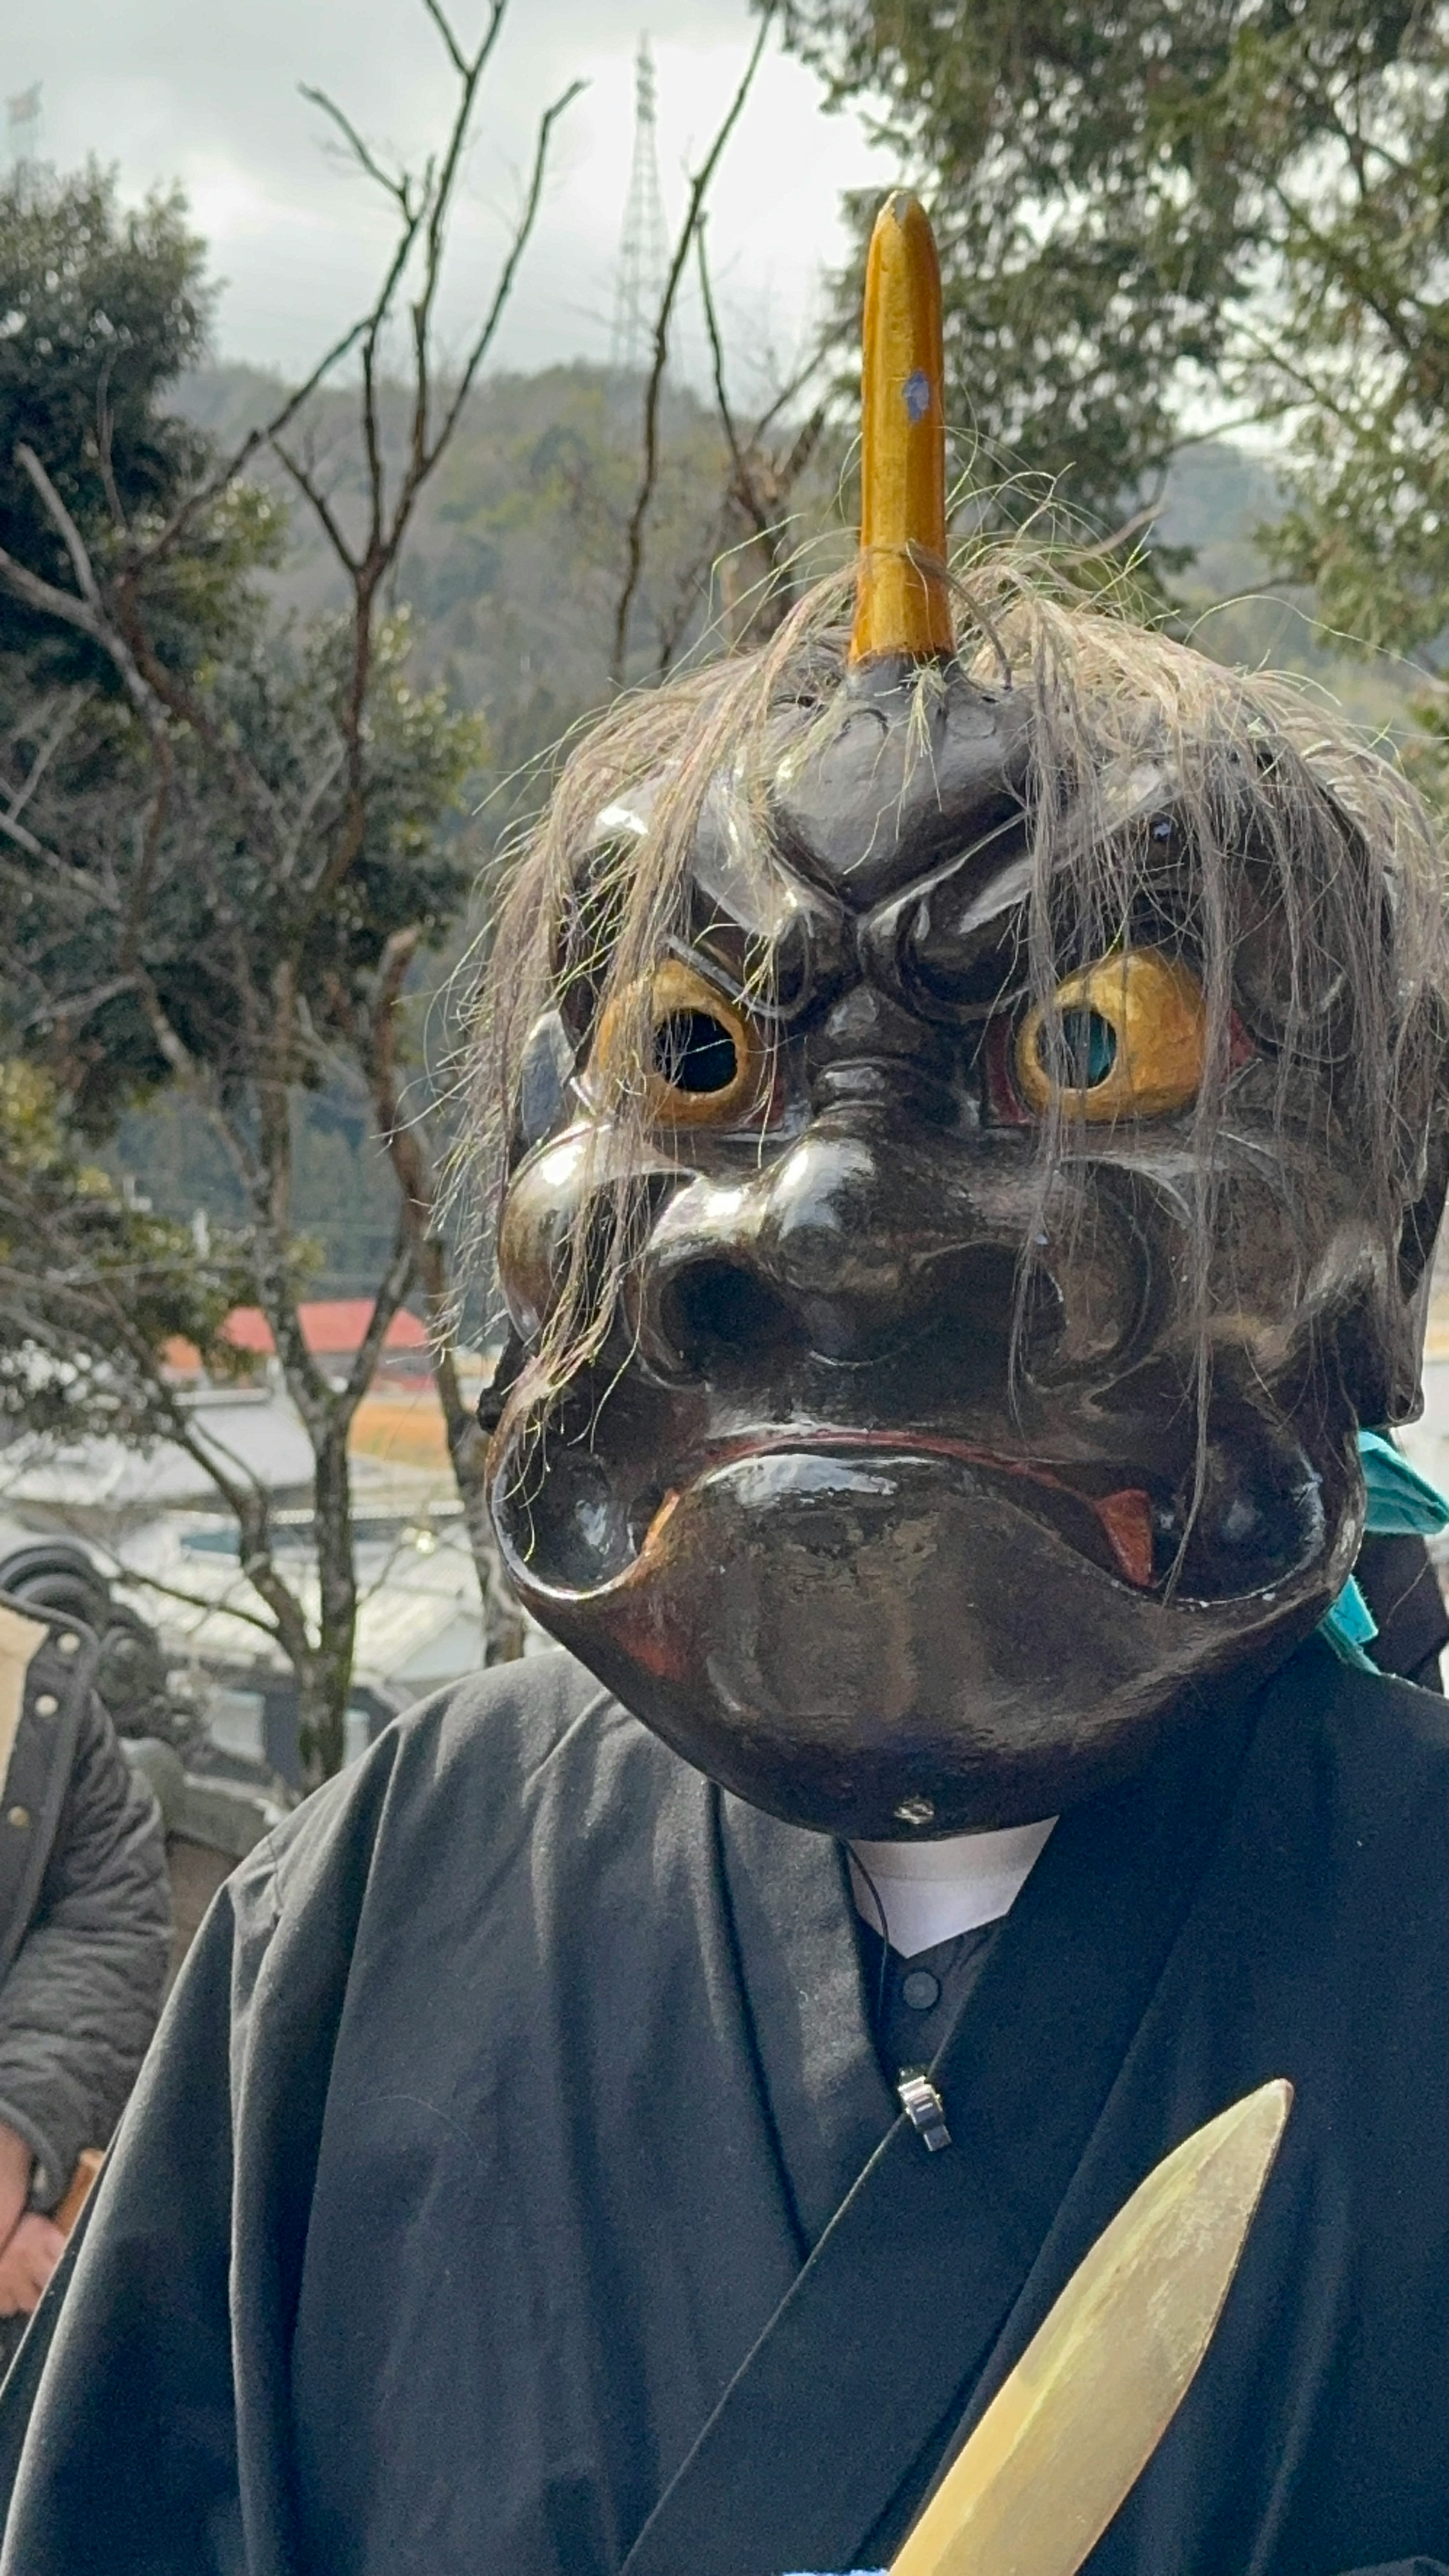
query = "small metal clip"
{"x": 924, "y": 2108}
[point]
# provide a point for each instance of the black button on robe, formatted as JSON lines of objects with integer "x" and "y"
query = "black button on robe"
{"x": 514, "y": 2189}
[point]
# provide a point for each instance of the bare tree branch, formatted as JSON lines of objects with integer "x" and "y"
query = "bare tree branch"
{"x": 698, "y": 192}
{"x": 469, "y": 75}
{"x": 79, "y": 614}
{"x": 318, "y": 502}
{"x": 149, "y": 684}
{"x": 248, "y": 1500}
{"x": 509, "y": 270}
{"x": 370, "y": 339}
{"x": 399, "y": 188}
{"x": 79, "y": 1006}
{"x": 326, "y": 776}
{"x": 392, "y": 1289}
{"x": 26, "y": 840}
{"x": 226, "y": 474}
{"x": 55, "y": 737}
{"x": 456, "y": 56}
{"x": 760, "y": 488}
{"x": 793, "y": 385}
{"x": 717, "y": 362}
{"x": 297, "y": 832}
{"x": 60, "y": 518}
{"x": 226, "y": 1608}
{"x": 140, "y": 902}
{"x": 808, "y": 435}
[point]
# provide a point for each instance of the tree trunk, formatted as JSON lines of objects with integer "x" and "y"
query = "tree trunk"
{"x": 322, "y": 1696}
{"x": 412, "y": 1165}
{"x": 502, "y": 1615}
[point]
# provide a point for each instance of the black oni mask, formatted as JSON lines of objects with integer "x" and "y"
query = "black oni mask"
{"x": 1025, "y": 1206}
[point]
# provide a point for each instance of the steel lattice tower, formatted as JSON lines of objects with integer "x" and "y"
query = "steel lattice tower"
{"x": 23, "y": 118}
{"x": 643, "y": 245}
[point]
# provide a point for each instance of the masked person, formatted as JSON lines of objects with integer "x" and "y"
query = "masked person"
{"x": 971, "y": 1091}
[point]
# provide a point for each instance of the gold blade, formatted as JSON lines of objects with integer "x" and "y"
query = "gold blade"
{"x": 1066, "y": 2438}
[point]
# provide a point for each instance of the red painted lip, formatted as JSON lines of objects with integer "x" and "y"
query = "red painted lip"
{"x": 1123, "y": 1516}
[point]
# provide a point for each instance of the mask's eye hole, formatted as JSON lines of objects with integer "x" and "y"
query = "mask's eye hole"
{"x": 704, "y": 1064}
{"x": 1089, "y": 1044}
{"x": 1125, "y": 1038}
{"x": 695, "y": 1052}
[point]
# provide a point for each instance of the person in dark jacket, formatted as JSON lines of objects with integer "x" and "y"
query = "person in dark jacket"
{"x": 84, "y": 1933}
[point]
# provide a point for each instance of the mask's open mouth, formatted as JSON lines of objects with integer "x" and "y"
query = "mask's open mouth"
{"x": 1244, "y": 1514}
{"x": 1118, "y": 1525}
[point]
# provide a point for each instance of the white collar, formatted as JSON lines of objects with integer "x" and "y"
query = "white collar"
{"x": 931, "y": 1891}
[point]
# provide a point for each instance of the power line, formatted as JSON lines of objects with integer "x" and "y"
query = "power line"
{"x": 643, "y": 244}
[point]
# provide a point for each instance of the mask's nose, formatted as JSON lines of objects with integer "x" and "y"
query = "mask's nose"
{"x": 848, "y": 1238}
{"x": 850, "y": 1248}
{"x": 864, "y": 1243}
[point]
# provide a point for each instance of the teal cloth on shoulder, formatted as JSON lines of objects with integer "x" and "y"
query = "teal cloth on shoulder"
{"x": 1401, "y": 1504}
{"x": 1348, "y": 1628}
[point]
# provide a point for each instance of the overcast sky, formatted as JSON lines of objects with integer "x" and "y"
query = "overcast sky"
{"x": 208, "y": 94}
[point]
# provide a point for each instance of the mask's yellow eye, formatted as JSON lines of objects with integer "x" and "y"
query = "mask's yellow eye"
{"x": 703, "y": 1061}
{"x": 1127, "y": 1038}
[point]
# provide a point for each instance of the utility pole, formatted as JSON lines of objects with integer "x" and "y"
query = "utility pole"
{"x": 644, "y": 244}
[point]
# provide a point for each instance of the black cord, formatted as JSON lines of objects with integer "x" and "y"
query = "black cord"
{"x": 885, "y": 1942}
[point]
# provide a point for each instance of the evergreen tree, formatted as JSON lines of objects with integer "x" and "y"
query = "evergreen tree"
{"x": 1154, "y": 199}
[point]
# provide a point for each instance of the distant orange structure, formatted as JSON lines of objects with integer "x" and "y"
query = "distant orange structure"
{"x": 399, "y": 1420}
{"x": 403, "y": 1426}
{"x": 333, "y": 1329}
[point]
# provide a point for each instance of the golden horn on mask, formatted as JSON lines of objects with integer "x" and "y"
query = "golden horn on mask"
{"x": 902, "y": 606}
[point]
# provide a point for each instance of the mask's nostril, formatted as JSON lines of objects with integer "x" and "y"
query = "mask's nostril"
{"x": 1038, "y": 1321}
{"x": 720, "y": 1317}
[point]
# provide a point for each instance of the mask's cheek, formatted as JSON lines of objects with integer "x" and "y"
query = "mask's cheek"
{"x": 1313, "y": 1313}
{"x": 575, "y": 1488}
{"x": 1249, "y": 1261}
{"x": 1242, "y": 1378}
{"x": 571, "y": 1209}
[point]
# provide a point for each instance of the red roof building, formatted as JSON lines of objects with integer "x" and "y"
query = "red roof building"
{"x": 333, "y": 1329}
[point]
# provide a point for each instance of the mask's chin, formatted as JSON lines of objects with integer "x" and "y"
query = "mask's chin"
{"x": 876, "y": 1642}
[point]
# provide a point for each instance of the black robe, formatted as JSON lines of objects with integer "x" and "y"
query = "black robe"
{"x": 482, "y": 2179}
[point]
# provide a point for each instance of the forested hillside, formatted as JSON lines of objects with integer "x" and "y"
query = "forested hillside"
{"x": 515, "y": 560}
{"x": 514, "y": 567}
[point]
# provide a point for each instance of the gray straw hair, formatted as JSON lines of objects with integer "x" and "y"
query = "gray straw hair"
{"x": 1267, "y": 788}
